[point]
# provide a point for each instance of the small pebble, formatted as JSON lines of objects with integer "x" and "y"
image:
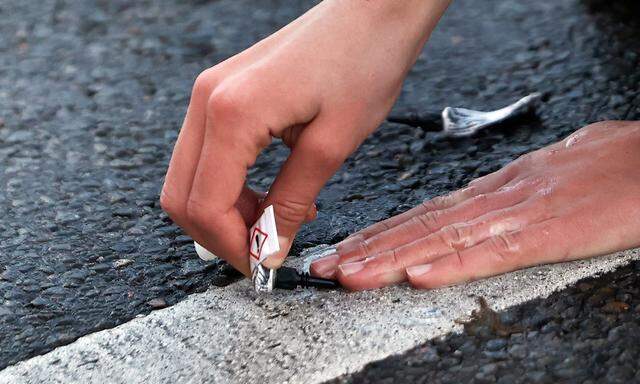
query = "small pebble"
{"x": 615, "y": 307}
{"x": 157, "y": 303}
{"x": 120, "y": 263}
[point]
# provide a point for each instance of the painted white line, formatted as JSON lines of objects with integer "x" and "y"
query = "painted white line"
{"x": 230, "y": 335}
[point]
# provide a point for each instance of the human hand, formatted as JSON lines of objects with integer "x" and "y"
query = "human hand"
{"x": 321, "y": 84}
{"x": 574, "y": 199}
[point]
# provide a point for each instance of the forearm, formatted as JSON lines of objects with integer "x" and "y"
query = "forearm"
{"x": 402, "y": 26}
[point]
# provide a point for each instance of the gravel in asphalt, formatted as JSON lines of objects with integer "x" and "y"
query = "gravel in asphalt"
{"x": 233, "y": 335}
{"x": 589, "y": 333}
{"x": 92, "y": 94}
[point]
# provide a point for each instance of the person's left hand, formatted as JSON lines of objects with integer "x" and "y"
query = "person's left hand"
{"x": 574, "y": 199}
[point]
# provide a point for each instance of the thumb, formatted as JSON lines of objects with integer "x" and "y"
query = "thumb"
{"x": 315, "y": 157}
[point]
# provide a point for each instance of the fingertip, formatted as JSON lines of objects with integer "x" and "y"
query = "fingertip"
{"x": 344, "y": 274}
{"x": 325, "y": 267}
{"x": 419, "y": 276}
{"x": 418, "y": 271}
{"x": 275, "y": 261}
{"x": 364, "y": 275}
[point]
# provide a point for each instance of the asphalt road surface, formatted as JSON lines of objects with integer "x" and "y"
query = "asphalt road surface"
{"x": 92, "y": 94}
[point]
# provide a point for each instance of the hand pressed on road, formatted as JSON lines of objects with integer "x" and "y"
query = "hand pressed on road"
{"x": 321, "y": 84}
{"x": 574, "y": 199}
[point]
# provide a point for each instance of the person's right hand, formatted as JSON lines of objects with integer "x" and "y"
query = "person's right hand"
{"x": 321, "y": 84}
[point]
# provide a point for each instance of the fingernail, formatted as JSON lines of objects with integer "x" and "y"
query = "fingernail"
{"x": 326, "y": 266}
{"x": 351, "y": 268}
{"x": 283, "y": 242}
{"x": 276, "y": 260}
{"x": 418, "y": 270}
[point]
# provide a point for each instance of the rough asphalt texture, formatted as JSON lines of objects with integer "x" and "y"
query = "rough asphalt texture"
{"x": 585, "y": 334}
{"x": 231, "y": 335}
{"x": 92, "y": 94}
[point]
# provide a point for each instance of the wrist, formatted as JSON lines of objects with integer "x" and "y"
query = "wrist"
{"x": 424, "y": 13}
{"x": 407, "y": 22}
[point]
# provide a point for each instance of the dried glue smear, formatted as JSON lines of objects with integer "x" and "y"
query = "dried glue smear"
{"x": 263, "y": 242}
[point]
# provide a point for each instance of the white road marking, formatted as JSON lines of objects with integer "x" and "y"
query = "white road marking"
{"x": 230, "y": 335}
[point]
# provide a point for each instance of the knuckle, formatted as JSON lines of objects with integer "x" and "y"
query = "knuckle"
{"x": 327, "y": 153}
{"x": 517, "y": 185}
{"x": 451, "y": 198}
{"x": 480, "y": 201}
{"x": 205, "y": 83}
{"x": 455, "y": 235}
{"x": 598, "y": 125}
{"x": 429, "y": 221}
{"x": 381, "y": 226}
{"x": 450, "y": 235}
{"x": 545, "y": 194}
{"x": 196, "y": 214}
{"x": 229, "y": 106}
{"x": 233, "y": 98}
{"x": 173, "y": 208}
{"x": 458, "y": 260}
{"x": 478, "y": 181}
{"x": 364, "y": 248}
{"x": 541, "y": 188}
{"x": 436, "y": 203}
{"x": 504, "y": 246}
{"x": 472, "y": 189}
{"x": 289, "y": 212}
{"x": 528, "y": 184}
{"x": 225, "y": 103}
{"x": 527, "y": 160}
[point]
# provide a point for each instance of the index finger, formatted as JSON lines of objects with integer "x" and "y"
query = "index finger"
{"x": 483, "y": 185}
{"x": 225, "y": 157}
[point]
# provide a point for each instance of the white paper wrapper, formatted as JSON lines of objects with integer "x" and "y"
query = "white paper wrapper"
{"x": 263, "y": 242}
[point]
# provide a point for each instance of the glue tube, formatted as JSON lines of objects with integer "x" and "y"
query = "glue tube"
{"x": 263, "y": 242}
